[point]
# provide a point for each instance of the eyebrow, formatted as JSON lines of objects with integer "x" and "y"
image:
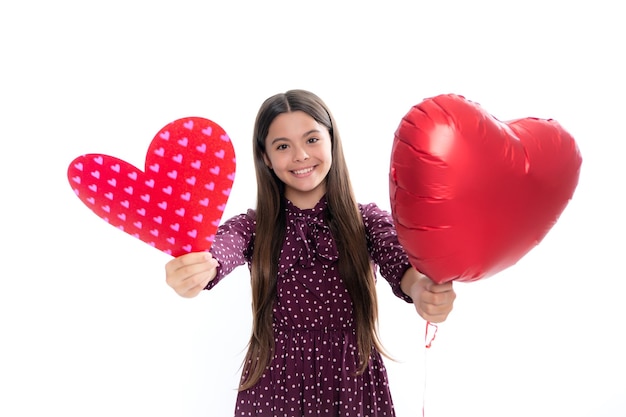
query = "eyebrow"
{"x": 304, "y": 135}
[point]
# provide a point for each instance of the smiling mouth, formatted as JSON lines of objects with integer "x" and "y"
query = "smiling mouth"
{"x": 303, "y": 171}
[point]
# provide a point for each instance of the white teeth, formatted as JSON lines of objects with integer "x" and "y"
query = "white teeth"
{"x": 303, "y": 171}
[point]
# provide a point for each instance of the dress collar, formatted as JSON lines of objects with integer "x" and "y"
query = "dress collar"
{"x": 318, "y": 209}
{"x": 312, "y": 237}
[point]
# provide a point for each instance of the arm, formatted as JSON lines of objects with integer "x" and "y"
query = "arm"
{"x": 189, "y": 274}
{"x": 433, "y": 302}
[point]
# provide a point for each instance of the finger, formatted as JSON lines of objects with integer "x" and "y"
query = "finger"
{"x": 187, "y": 259}
{"x": 439, "y": 318}
{"x": 444, "y": 299}
{"x": 439, "y": 288}
{"x": 191, "y": 272}
{"x": 434, "y": 313}
{"x": 196, "y": 282}
{"x": 193, "y": 286}
{"x": 186, "y": 274}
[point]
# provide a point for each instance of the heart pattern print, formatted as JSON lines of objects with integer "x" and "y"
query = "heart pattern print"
{"x": 176, "y": 202}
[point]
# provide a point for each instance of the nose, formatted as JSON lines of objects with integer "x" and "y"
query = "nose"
{"x": 300, "y": 154}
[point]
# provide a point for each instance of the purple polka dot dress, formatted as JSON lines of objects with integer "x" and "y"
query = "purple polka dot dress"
{"x": 312, "y": 372}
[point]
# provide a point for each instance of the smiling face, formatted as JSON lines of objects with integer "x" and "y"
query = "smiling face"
{"x": 299, "y": 151}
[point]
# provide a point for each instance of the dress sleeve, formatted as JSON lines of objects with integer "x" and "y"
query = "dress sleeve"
{"x": 232, "y": 246}
{"x": 384, "y": 247}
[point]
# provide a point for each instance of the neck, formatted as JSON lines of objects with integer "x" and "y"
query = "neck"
{"x": 305, "y": 200}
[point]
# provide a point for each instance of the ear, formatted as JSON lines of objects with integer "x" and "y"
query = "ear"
{"x": 267, "y": 161}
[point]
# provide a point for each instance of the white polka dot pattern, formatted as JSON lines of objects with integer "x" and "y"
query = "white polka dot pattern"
{"x": 313, "y": 369}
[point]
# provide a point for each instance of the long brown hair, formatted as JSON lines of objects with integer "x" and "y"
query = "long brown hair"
{"x": 344, "y": 220}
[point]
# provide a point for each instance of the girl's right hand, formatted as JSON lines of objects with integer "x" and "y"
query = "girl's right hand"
{"x": 189, "y": 274}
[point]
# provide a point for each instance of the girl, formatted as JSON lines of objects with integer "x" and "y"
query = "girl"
{"x": 311, "y": 251}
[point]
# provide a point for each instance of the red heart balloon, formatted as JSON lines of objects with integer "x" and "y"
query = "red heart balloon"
{"x": 471, "y": 195}
{"x": 176, "y": 203}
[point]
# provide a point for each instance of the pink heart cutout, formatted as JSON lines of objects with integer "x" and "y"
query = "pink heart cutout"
{"x": 177, "y": 202}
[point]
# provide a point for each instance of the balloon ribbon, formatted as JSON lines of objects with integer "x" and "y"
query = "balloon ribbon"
{"x": 428, "y": 340}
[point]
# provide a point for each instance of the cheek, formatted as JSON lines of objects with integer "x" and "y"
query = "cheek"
{"x": 329, "y": 159}
{"x": 329, "y": 155}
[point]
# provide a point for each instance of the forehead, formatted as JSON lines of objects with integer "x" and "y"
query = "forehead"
{"x": 293, "y": 125}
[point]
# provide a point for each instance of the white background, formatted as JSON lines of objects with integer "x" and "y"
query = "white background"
{"x": 88, "y": 326}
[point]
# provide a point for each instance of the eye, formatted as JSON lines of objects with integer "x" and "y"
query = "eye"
{"x": 312, "y": 140}
{"x": 281, "y": 147}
